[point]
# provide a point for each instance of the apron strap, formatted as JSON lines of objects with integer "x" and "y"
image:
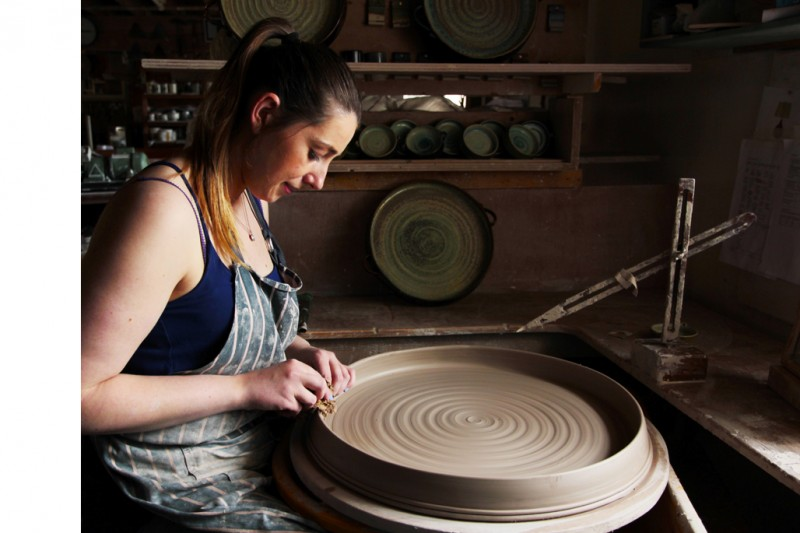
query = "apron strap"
{"x": 274, "y": 250}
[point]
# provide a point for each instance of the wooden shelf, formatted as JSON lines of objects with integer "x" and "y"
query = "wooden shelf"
{"x": 466, "y": 179}
{"x": 608, "y": 159}
{"x": 786, "y": 31}
{"x": 99, "y": 197}
{"x": 343, "y": 179}
{"x": 453, "y": 69}
{"x": 563, "y": 84}
{"x": 471, "y": 78}
{"x": 178, "y": 97}
{"x": 103, "y": 98}
{"x": 448, "y": 165}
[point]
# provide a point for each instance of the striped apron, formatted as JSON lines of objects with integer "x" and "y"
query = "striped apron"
{"x": 214, "y": 473}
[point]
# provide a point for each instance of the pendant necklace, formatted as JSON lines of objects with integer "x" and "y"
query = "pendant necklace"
{"x": 249, "y": 231}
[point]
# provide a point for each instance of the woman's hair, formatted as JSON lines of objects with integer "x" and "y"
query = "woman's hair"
{"x": 312, "y": 82}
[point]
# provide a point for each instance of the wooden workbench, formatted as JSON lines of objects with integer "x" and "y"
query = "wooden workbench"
{"x": 734, "y": 402}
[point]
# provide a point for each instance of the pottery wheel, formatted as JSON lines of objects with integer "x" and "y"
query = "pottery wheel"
{"x": 479, "y": 434}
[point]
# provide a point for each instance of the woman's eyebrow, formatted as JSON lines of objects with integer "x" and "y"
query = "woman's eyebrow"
{"x": 329, "y": 147}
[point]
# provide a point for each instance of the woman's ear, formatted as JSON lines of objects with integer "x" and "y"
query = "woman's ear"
{"x": 263, "y": 111}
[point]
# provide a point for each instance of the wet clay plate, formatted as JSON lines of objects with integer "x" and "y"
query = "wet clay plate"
{"x": 480, "y": 434}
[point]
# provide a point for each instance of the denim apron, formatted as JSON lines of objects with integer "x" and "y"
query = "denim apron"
{"x": 214, "y": 473}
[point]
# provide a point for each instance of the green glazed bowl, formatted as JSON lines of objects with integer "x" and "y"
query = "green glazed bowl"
{"x": 480, "y": 140}
{"x": 521, "y": 142}
{"x": 424, "y": 141}
{"x": 377, "y": 140}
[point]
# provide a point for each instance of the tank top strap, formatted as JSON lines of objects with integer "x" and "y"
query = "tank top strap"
{"x": 201, "y": 226}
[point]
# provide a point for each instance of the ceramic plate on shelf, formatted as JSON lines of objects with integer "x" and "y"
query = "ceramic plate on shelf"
{"x": 431, "y": 241}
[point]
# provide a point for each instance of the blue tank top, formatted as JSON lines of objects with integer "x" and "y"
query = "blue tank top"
{"x": 192, "y": 329}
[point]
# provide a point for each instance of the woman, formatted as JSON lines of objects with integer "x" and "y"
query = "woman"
{"x": 190, "y": 357}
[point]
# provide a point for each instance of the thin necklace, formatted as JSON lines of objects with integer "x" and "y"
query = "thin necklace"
{"x": 249, "y": 231}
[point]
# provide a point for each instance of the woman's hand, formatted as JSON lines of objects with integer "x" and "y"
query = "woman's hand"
{"x": 288, "y": 387}
{"x": 341, "y": 377}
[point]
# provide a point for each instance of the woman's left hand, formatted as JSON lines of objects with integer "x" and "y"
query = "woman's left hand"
{"x": 340, "y": 376}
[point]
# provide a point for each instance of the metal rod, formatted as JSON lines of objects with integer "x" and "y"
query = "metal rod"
{"x": 677, "y": 266}
{"x": 643, "y": 270}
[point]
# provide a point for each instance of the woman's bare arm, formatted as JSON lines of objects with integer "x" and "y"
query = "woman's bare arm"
{"x": 146, "y": 251}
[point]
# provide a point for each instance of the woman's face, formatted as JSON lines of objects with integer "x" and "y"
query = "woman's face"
{"x": 285, "y": 160}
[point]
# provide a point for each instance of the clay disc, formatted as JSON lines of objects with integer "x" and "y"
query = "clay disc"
{"x": 482, "y": 434}
{"x": 340, "y": 510}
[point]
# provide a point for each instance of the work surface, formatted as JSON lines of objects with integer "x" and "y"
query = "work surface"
{"x": 734, "y": 402}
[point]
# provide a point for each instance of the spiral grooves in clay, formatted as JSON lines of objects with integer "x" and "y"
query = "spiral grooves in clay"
{"x": 481, "y": 433}
{"x": 470, "y": 422}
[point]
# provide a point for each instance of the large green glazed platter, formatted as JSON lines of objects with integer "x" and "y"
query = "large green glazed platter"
{"x": 431, "y": 241}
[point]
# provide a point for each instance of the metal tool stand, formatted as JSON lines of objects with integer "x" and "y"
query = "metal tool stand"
{"x": 671, "y": 359}
{"x": 667, "y": 359}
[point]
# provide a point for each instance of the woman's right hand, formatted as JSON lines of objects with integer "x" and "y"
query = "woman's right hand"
{"x": 288, "y": 387}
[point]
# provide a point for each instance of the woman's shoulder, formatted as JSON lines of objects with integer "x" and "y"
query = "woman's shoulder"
{"x": 156, "y": 201}
{"x": 160, "y": 182}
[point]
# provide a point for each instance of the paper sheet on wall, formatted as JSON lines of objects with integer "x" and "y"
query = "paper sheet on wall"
{"x": 778, "y": 114}
{"x": 768, "y": 184}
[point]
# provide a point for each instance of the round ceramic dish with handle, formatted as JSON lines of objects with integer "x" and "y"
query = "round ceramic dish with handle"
{"x": 431, "y": 241}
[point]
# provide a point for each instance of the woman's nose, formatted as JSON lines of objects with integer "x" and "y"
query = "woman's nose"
{"x": 317, "y": 180}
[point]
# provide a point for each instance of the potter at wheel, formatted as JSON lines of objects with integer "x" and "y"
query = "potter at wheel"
{"x": 480, "y": 434}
